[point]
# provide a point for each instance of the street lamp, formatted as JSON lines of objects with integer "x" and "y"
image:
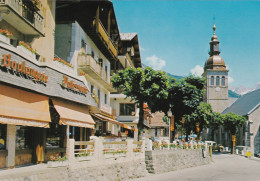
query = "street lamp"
{"x": 169, "y": 116}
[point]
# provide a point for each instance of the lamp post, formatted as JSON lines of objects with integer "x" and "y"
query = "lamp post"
{"x": 169, "y": 116}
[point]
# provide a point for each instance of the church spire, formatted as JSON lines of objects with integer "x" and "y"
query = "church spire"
{"x": 214, "y": 44}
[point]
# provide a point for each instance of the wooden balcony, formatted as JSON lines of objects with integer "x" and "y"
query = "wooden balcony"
{"x": 126, "y": 61}
{"x": 22, "y": 16}
{"x": 91, "y": 67}
{"x": 104, "y": 35}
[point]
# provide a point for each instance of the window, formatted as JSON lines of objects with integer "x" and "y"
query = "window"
{"x": 23, "y": 135}
{"x": 83, "y": 45}
{"x": 212, "y": 80}
{"x": 217, "y": 80}
{"x": 91, "y": 89}
{"x": 98, "y": 94}
{"x": 105, "y": 99}
{"x": 55, "y": 135}
{"x": 2, "y": 136}
{"x": 92, "y": 53}
{"x": 223, "y": 80}
{"x": 100, "y": 61}
{"x": 127, "y": 109}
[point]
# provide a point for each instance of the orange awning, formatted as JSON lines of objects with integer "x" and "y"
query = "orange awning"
{"x": 20, "y": 107}
{"x": 73, "y": 114}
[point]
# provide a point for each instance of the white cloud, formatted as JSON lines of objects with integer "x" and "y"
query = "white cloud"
{"x": 230, "y": 79}
{"x": 197, "y": 70}
{"x": 155, "y": 62}
{"x": 141, "y": 48}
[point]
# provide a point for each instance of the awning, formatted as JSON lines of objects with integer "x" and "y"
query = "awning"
{"x": 24, "y": 108}
{"x": 105, "y": 118}
{"x": 73, "y": 114}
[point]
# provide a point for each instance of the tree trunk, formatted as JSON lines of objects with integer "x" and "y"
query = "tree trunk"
{"x": 141, "y": 120}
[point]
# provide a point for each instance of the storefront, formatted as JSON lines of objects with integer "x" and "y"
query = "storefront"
{"x": 40, "y": 107}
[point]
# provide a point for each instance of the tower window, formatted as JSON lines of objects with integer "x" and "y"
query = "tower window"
{"x": 217, "y": 80}
{"x": 223, "y": 80}
{"x": 212, "y": 80}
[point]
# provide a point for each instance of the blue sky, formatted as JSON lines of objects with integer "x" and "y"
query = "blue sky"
{"x": 174, "y": 36}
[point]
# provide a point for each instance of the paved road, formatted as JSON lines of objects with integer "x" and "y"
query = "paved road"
{"x": 226, "y": 167}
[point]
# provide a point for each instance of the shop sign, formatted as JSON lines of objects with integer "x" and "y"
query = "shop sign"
{"x": 71, "y": 85}
{"x": 22, "y": 68}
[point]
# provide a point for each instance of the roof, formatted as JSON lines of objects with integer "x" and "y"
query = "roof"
{"x": 127, "y": 36}
{"x": 157, "y": 120}
{"x": 245, "y": 104}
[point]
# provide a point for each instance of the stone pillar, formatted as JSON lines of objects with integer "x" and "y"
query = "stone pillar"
{"x": 70, "y": 150}
{"x": 143, "y": 147}
{"x": 149, "y": 145}
{"x": 135, "y": 135}
{"x": 98, "y": 149}
{"x": 10, "y": 145}
{"x": 129, "y": 152}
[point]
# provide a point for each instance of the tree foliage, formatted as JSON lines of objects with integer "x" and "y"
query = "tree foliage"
{"x": 142, "y": 85}
{"x": 233, "y": 121}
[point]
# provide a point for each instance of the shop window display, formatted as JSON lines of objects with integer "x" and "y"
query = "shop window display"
{"x": 23, "y": 137}
{"x": 2, "y": 136}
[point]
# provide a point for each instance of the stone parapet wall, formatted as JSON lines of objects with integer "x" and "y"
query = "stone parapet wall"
{"x": 109, "y": 170}
{"x": 169, "y": 160}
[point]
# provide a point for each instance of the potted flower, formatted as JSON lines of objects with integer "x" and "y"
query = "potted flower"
{"x": 155, "y": 145}
{"x": 5, "y": 36}
{"x": 173, "y": 146}
{"x": 83, "y": 154}
{"x": 164, "y": 145}
{"x": 57, "y": 161}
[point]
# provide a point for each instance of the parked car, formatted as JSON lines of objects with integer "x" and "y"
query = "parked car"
{"x": 215, "y": 146}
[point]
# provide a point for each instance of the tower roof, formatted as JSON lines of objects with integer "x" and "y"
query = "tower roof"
{"x": 214, "y": 62}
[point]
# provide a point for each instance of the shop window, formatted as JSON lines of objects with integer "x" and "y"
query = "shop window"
{"x": 223, "y": 80}
{"x": 127, "y": 109}
{"x": 2, "y": 136}
{"x": 55, "y": 136}
{"x": 23, "y": 137}
{"x": 217, "y": 80}
{"x": 212, "y": 80}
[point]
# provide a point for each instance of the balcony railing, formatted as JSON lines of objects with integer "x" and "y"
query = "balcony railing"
{"x": 90, "y": 66}
{"x": 22, "y": 16}
{"x": 106, "y": 108}
{"x": 102, "y": 31}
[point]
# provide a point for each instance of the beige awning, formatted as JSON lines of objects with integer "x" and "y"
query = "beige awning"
{"x": 105, "y": 118}
{"x": 25, "y": 108}
{"x": 73, "y": 114}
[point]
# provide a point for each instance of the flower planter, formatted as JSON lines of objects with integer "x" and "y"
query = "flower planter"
{"x": 53, "y": 164}
{"x": 4, "y": 39}
{"x": 24, "y": 50}
{"x": 82, "y": 158}
{"x": 63, "y": 66}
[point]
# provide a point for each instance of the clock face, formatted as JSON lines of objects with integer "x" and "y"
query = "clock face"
{"x": 217, "y": 89}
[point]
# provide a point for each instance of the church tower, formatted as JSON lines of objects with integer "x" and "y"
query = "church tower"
{"x": 217, "y": 77}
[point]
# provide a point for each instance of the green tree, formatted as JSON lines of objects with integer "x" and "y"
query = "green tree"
{"x": 142, "y": 86}
{"x": 215, "y": 122}
{"x": 185, "y": 96}
{"x": 232, "y": 122}
{"x": 199, "y": 118}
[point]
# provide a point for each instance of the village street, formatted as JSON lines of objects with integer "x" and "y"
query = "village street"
{"x": 226, "y": 167}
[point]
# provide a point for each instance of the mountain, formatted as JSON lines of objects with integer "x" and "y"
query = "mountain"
{"x": 233, "y": 94}
{"x": 175, "y": 76}
{"x": 244, "y": 90}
